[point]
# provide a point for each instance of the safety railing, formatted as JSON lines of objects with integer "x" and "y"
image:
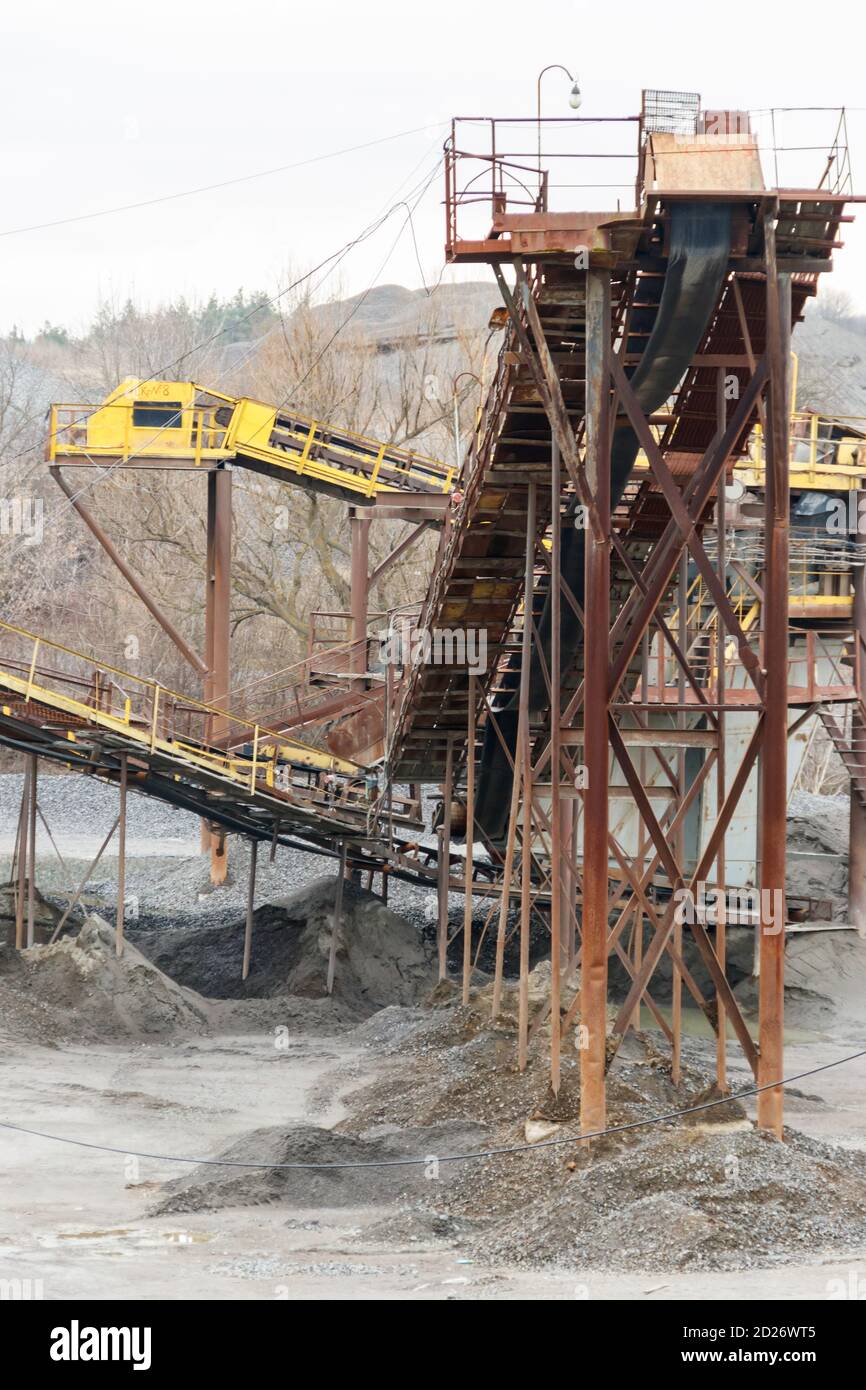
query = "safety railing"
{"x": 319, "y": 449}
{"x": 817, "y": 443}
{"x": 818, "y": 662}
{"x": 801, "y": 148}
{"x": 82, "y": 692}
{"x": 495, "y": 166}
{"x": 192, "y": 432}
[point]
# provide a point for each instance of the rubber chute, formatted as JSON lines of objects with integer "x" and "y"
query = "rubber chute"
{"x": 700, "y": 243}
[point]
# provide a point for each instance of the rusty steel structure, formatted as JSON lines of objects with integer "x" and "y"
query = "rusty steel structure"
{"x": 589, "y": 755}
{"x": 572, "y": 715}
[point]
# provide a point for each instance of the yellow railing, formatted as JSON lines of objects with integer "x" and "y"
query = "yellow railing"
{"x": 109, "y": 431}
{"x": 149, "y": 714}
{"x": 825, "y": 451}
{"x": 130, "y": 427}
{"x": 322, "y": 452}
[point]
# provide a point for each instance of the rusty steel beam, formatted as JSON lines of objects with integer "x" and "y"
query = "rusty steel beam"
{"x": 721, "y": 765}
{"x": 31, "y": 848}
{"x": 774, "y": 755}
{"x": 469, "y": 839}
{"x": 523, "y": 773}
{"x": 217, "y": 631}
{"x": 444, "y": 865}
{"x": 359, "y": 590}
{"x": 639, "y": 608}
{"x": 121, "y": 859}
{"x": 857, "y": 822}
{"x": 556, "y": 801}
{"x": 594, "y": 949}
{"x": 186, "y": 651}
{"x": 406, "y": 544}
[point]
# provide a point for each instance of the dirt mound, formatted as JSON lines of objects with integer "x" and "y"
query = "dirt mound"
{"x": 705, "y": 1191}
{"x": 381, "y": 958}
{"x": 45, "y": 915}
{"x": 209, "y": 1188}
{"x": 79, "y": 988}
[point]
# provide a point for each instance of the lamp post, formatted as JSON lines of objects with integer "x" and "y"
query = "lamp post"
{"x": 454, "y": 382}
{"x": 574, "y": 99}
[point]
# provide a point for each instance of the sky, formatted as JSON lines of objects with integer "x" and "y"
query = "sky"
{"x": 106, "y": 104}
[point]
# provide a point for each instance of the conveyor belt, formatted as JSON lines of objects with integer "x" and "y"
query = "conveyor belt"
{"x": 700, "y": 237}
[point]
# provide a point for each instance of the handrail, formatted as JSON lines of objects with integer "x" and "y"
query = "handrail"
{"x": 210, "y": 711}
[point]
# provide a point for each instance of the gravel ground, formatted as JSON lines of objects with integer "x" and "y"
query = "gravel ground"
{"x": 73, "y": 804}
{"x": 178, "y": 893}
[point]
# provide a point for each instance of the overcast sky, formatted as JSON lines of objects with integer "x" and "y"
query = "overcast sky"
{"x": 111, "y": 103}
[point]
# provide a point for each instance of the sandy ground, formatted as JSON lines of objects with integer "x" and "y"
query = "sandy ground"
{"x": 77, "y": 1221}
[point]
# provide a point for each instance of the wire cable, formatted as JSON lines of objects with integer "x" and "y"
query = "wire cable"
{"x": 224, "y": 183}
{"x": 665, "y": 1118}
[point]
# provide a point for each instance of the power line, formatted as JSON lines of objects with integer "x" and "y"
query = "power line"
{"x": 225, "y": 183}
{"x": 331, "y": 261}
{"x": 160, "y": 372}
{"x": 446, "y": 1158}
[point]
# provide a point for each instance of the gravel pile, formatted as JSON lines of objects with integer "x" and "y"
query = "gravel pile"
{"x": 381, "y": 959}
{"x": 818, "y": 848}
{"x": 79, "y": 988}
{"x": 707, "y": 1191}
{"x": 210, "y": 1188}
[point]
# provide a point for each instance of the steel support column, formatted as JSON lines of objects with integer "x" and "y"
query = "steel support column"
{"x": 857, "y": 823}
{"x": 470, "y": 839}
{"x": 31, "y": 851}
{"x": 594, "y": 948}
{"x": 556, "y": 802}
{"x": 251, "y": 899}
{"x": 444, "y": 866}
{"x": 121, "y": 860}
{"x": 218, "y": 625}
{"x": 774, "y": 753}
{"x": 360, "y": 588}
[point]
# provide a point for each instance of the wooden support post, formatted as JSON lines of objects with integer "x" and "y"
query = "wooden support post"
{"x": 593, "y": 993}
{"x": 470, "y": 841}
{"x": 774, "y": 753}
{"x": 338, "y": 919}
{"x": 121, "y": 861}
{"x": 444, "y": 864}
{"x": 251, "y": 898}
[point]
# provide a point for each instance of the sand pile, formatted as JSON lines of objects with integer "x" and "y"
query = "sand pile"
{"x": 79, "y": 988}
{"x": 381, "y": 958}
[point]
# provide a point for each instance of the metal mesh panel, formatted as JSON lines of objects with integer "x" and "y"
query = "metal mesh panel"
{"x": 674, "y": 113}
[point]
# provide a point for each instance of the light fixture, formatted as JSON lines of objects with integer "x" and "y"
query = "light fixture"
{"x": 575, "y": 99}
